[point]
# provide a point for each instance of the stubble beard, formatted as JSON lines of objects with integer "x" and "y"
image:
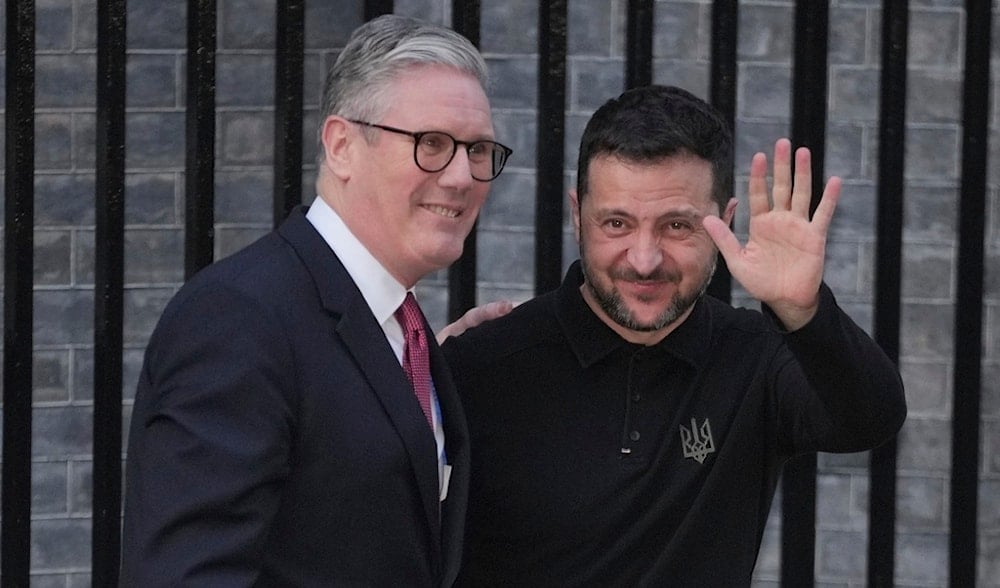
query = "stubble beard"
{"x": 614, "y": 307}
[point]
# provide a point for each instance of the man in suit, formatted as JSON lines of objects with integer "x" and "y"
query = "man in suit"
{"x": 276, "y": 438}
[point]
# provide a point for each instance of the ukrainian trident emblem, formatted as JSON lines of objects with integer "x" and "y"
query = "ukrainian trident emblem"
{"x": 697, "y": 441}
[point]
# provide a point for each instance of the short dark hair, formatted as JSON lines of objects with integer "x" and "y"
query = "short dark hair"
{"x": 651, "y": 123}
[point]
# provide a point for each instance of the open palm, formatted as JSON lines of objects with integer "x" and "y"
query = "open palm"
{"x": 782, "y": 262}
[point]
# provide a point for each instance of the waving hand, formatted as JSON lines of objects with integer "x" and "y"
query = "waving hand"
{"x": 781, "y": 263}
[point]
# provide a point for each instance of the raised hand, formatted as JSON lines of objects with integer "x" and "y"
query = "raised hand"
{"x": 782, "y": 262}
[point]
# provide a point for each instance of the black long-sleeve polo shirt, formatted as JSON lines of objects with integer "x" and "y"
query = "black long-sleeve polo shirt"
{"x": 597, "y": 462}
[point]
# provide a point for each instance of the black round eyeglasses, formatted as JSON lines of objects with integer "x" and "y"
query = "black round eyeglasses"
{"x": 434, "y": 150}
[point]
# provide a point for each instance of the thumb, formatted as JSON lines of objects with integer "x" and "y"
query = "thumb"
{"x": 723, "y": 237}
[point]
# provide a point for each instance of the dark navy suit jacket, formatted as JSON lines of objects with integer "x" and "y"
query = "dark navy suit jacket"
{"x": 275, "y": 440}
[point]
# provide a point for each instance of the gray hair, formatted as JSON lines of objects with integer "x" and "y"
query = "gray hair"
{"x": 381, "y": 49}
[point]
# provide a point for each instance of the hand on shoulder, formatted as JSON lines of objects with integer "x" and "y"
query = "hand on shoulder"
{"x": 475, "y": 316}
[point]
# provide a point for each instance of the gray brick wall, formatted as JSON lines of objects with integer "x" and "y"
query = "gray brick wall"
{"x": 64, "y": 240}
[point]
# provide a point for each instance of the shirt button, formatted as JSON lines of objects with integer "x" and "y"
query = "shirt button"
{"x": 636, "y": 397}
{"x": 634, "y": 435}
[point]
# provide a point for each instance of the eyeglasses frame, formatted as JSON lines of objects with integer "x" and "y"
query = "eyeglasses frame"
{"x": 417, "y": 135}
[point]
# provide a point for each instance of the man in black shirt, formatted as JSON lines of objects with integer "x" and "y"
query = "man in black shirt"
{"x": 629, "y": 430}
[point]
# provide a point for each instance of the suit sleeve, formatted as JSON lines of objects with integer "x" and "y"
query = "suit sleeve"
{"x": 210, "y": 444}
{"x": 837, "y": 390}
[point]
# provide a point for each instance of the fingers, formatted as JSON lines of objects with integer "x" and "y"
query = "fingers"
{"x": 758, "y": 200}
{"x": 802, "y": 195}
{"x": 788, "y": 192}
{"x": 488, "y": 312}
{"x": 824, "y": 211}
{"x": 475, "y": 316}
{"x": 782, "y": 191}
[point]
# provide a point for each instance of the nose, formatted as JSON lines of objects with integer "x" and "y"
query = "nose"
{"x": 458, "y": 173}
{"x": 645, "y": 255}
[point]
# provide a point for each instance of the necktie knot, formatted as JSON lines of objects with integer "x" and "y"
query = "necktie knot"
{"x": 416, "y": 359}
{"x": 409, "y": 316}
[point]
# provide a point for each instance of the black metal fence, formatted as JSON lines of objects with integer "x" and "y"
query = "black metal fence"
{"x": 808, "y": 128}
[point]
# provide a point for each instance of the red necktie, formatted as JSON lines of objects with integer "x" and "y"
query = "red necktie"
{"x": 416, "y": 361}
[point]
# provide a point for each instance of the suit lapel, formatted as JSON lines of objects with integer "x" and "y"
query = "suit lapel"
{"x": 366, "y": 342}
{"x": 456, "y": 435}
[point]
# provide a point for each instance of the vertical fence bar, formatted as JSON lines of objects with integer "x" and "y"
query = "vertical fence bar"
{"x": 19, "y": 217}
{"x": 809, "y": 86}
{"x": 965, "y": 450}
{"x": 375, "y": 8}
{"x": 639, "y": 44}
{"x": 888, "y": 276}
{"x": 551, "y": 134}
{"x": 199, "y": 168}
{"x": 289, "y": 61}
{"x": 462, "y": 274}
{"x": 108, "y": 292}
{"x": 809, "y": 101}
{"x": 722, "y": 95}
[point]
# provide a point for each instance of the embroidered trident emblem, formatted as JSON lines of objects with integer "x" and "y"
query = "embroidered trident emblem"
{"x": 697, "y": 441}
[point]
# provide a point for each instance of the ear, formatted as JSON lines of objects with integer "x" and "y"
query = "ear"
{"x": 337, "y": 145}
{"x": 574, "y": 207}
{"x": 730, "y": 211}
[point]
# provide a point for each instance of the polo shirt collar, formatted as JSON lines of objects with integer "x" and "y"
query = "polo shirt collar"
{"x": 591, "y": 340}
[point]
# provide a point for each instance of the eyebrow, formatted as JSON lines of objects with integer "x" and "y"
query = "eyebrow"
{"x": 686, "y": 213}
{"x": 477, "y": 139}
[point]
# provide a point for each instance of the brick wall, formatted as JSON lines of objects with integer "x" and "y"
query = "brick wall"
{"x": 64, "y": 273}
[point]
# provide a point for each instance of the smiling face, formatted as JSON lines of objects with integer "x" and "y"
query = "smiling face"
{"x": 413, "y": 222}
{"x": 646, "y": 258}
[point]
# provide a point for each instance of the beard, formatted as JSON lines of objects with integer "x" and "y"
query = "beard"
{"x": 611, "y": 302}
